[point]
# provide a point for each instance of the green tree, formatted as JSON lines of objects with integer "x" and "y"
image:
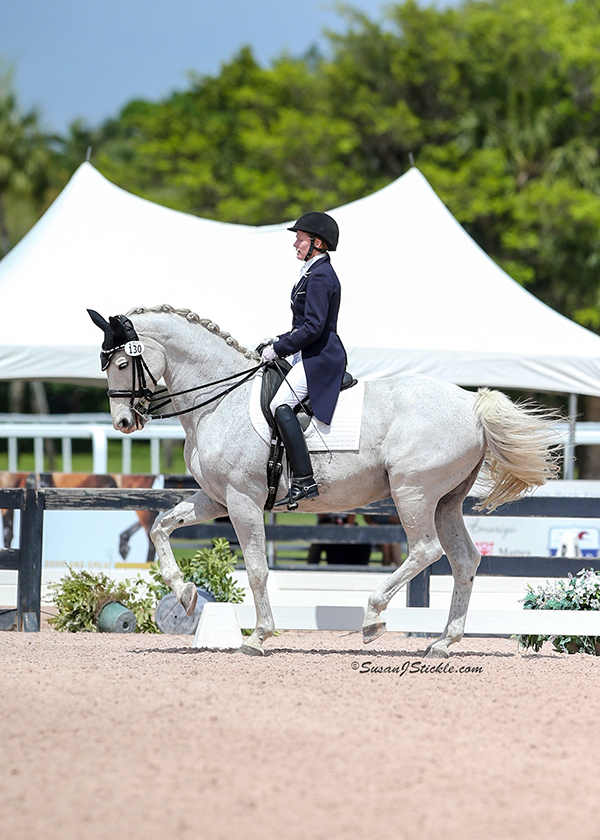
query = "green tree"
{"x": 521, "y": 170}
{"x": 250, "y": 145}
{"x": 497, "y": 101}
{"x": 24, "y": 158}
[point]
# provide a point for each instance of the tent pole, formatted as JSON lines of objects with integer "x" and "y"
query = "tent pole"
{"x": 569, "y": 452}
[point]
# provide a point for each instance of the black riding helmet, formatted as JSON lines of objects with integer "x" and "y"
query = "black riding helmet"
{"x": 319, "y": 225}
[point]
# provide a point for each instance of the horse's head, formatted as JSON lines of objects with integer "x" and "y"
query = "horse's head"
{"x": 133, "y": 368}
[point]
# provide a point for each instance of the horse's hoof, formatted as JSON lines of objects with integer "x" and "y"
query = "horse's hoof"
{"x": 189, "y": 598}
{"x": 373, "y": 631}
{"x": 433, "y": 652}
{"x": 250, "y": 650}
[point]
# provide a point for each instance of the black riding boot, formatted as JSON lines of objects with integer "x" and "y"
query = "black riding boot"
{"x": 303, "y": 483}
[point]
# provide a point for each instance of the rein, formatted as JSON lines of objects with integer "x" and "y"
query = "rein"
{"x": 166, "y": 396}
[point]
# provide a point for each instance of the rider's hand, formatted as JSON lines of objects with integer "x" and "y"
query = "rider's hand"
{"x": 268, "y": 354}
{"x": 264, "y": 343}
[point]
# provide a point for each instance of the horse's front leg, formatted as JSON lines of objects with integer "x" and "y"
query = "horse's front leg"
{"x": 249, "y": 523}
{"x": 125, "y": 536}
{"x": 198, "y": 508}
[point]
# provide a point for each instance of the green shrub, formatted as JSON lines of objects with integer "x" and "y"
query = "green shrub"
{"x": 80, "y": 595}
{"x": 210, "y": 568}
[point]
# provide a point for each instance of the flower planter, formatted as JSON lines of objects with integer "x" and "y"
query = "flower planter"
{"x": 115, "y": 618}
{"x": 579, "y": 592}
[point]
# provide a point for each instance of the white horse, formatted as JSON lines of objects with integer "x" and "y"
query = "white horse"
{"x": 423, "y": 441}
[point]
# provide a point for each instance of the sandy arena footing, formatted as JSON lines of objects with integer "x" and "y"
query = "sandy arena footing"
{"x": 144, "y": 737}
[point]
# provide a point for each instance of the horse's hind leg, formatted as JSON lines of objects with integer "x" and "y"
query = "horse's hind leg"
{"x": 417, "y": 516}
{"x": 198, "y": 508}
{"x": 147, "y": 519}
{"x": 464, "y": 560}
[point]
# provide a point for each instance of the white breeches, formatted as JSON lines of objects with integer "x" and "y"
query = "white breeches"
{"x": 292, "y": 389}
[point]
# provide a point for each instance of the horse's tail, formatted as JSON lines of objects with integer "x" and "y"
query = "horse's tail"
{"x": 523, "y": 447}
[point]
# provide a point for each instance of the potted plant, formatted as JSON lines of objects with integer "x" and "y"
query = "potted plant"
{"x": 91, "y": 601}
{"x": 579, "y": 592}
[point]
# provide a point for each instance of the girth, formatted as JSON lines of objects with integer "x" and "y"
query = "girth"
{"x": 273, "y": 375}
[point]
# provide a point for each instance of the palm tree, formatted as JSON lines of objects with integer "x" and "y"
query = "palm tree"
{"x": 24, "y": 154}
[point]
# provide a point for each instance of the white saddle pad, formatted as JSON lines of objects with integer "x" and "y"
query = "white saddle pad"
{"x": 342, "y": 435}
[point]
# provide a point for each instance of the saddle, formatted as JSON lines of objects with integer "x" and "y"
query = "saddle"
{"x": 273, "y": 375}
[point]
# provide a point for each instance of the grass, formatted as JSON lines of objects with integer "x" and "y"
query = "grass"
{"x": 82, "y": 457}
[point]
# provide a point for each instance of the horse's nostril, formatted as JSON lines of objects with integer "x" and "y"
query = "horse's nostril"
{"x": 124, "y": 423}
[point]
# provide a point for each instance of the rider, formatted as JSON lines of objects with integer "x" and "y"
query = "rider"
{"x": 319, "y": 358}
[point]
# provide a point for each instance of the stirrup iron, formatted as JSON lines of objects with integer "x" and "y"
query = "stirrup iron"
{"x": 302, "y": 487}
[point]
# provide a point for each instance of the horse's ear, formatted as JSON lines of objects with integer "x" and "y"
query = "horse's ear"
{"x": 99, "y": 320}
{"x": 118, "y": 330}
{"x": 109, "y": 338}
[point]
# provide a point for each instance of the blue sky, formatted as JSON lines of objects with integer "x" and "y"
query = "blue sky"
{"x": 86, "y": 59}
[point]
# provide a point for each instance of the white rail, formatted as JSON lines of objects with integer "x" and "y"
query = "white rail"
{"x": 99, "y": 430}
{"x": 67, "y": 429}
{"x": 327, "y": 616}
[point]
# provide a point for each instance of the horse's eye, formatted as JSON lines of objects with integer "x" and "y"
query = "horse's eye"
{"x": 122, "y": 364}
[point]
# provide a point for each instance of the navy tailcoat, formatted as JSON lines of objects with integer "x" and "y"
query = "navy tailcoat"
{"x": 315, "y": 307}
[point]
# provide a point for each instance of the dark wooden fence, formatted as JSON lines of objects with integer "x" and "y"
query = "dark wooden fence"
{"x": 26, "y": 560}
{"x": 545, "y": 567}
{"x": 33, "y": 501}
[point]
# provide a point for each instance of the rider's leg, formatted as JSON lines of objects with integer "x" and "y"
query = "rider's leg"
{"x": 292, "y": 390}
{"x": 303, "y": 484}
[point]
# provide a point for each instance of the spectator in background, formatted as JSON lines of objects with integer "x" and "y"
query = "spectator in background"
{"x": 348, "y": 554}
{"x": 392, "y": 552}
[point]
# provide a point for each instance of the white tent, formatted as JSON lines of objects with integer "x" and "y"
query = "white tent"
{"x": 418, "y": 295}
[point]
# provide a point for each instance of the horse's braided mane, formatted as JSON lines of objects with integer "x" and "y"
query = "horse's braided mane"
{"x": 195, "y": 319}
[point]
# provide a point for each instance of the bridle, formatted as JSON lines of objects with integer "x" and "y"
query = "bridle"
{"x": 133, "y": 348}
{"x": 145, "y": 395}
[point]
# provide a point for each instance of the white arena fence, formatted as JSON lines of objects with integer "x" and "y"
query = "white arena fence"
{"x": 426, "y": 620}
{"x": 299, "y": 604}
{"x": 98, "y": 429}
{"x": 219, "y": 625}
{"x": 300, "y": 610}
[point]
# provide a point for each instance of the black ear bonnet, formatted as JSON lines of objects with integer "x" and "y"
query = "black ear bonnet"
{"x": 118, "y": 330}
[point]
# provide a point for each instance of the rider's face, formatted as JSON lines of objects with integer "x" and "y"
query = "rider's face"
{"x": 302, "y": 244}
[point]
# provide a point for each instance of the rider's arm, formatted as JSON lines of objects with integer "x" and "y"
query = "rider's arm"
{"x": 319, "y": 290}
